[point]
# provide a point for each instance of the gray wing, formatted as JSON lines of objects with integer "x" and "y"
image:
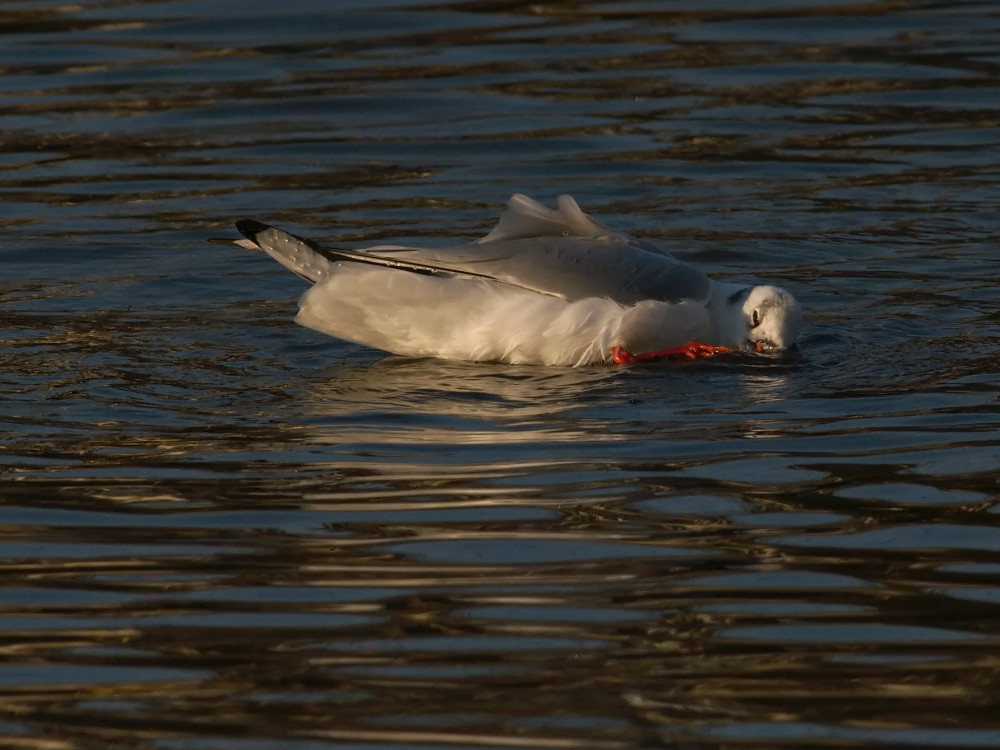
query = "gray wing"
{"x": 568, "y": 267}
{"x": 561, "y": 252}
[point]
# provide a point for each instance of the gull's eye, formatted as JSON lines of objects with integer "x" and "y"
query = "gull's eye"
{"x": 755, "y": 319}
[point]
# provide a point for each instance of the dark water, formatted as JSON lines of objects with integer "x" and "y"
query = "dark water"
{"x": 220, "y": 530}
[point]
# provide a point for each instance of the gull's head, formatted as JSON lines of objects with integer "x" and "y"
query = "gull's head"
{"x": 772, "y": 317}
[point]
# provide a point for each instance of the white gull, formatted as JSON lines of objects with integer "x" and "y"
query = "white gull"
{"x": 550, "y": 287}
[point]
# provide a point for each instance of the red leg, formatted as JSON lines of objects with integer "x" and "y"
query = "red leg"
{"x": 692, "y": 350}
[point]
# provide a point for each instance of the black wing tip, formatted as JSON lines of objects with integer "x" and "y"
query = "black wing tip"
{"x": 250, "y": 228}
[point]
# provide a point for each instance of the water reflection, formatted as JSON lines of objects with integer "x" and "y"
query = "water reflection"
{"x": 491, "y": 393}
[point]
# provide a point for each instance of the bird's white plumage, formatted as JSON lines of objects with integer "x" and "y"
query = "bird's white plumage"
{"x": 545, "y": 286}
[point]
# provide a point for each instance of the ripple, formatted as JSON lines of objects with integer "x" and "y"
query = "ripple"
{"x": 832, "y": 634}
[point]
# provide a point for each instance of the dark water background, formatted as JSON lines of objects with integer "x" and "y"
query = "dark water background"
{"x": 219, "y": 530}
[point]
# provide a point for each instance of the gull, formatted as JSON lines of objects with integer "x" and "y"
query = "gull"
{"x": 545, "y": 287}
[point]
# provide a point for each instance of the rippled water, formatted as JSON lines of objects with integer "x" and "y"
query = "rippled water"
{"x": 220, "y": 530}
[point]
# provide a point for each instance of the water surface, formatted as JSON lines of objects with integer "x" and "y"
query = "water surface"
{"x": 221, "y": 530}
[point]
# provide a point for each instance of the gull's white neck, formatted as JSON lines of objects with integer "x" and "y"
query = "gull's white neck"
{"x": 726, "y": 310}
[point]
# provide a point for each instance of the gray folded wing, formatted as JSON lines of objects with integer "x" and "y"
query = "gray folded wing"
{"x": 561, "y": 252}
{"x": 569, "y": 267}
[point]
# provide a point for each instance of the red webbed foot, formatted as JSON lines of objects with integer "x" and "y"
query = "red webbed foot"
{"x": 691, "y": 350}
{"x": 621, "y": 356}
